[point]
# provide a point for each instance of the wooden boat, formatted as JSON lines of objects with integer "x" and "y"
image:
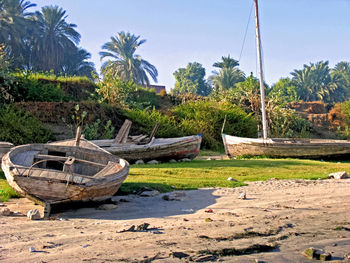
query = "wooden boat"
{"x": 163, "y": 149}
{"x": 51, "y": 174}
{"x": 280, "y": 147}
{"x": 4, "y": 148}
{"x": 146, "y": 148}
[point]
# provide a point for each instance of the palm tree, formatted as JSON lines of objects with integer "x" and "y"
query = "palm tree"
{"x": 76, "y": 63}
{"x": 314, "y": 82}
{"x": 228, "y": 75}
{"x": 125, "y": 63}
{"x": 227, "y": 62}
{"x": 17, "y": 26}
{"x": 56, "y": 37}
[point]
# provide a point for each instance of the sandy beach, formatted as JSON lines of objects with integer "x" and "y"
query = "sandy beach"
{"x": 275, "y": 223}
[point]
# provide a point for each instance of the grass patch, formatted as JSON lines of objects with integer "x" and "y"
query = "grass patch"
{"x": 201, "y": 173}
{"x": 6, "y": 192}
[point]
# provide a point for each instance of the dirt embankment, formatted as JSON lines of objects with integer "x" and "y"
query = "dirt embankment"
{"x": 319, "y": 115}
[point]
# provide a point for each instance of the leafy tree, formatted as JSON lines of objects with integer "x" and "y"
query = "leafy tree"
{"x": 75, "y": 63}
{"x": 314, "y": 82}
{"x": 17, "y": 26}
{"x": 115, "y": 90}
{"x": 191, "y": 80}
{"x": 6, "y": 79}
{"x": 125, "y": 64}
{"x": 341, "y": 76}
{"x": 226, "y": 62}
{"x": 285, "y": 90}
{"x": 56, "y": 36}
{"x": 228, "y": 75}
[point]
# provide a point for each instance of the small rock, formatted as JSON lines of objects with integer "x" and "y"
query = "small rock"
{"x": 33, "y": 214}
{"x": 31, "y": 249}
{"x": 139, "y": 162}
{"x": 203, "y": 258}
{"x": 179, "y": 255}
{"x": 172, "y": 161}
{"x": 314, "y": 253}
{"x": 231, "y": 179}
{"x": 242, "y": 196}
{"x": 153, "y": 162}
{"x": 185, "y": 160}
{"x": 338, "y": 175}
{"x": 5, "y": 211}
{"x": 107, "y": 207}
{"x": 150, "y": 193}
{"x": 174, "y": 196}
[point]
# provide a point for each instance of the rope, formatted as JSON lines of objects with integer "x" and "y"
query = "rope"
{"x": 246, "y": 30}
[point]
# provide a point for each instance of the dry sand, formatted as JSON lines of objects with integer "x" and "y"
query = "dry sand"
{"x": 291, "y": 215}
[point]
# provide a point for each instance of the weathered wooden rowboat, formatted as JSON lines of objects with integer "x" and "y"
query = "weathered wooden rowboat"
{"x": 4, "y": 148}
{"x": 279, "y": 147}
{"x": 163, "y": 149}
{"x": 51, "y": 174}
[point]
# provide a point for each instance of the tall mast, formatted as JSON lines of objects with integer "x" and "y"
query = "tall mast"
{"x": 261, "y": 74}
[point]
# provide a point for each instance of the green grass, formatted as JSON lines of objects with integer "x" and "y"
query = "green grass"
{"x": 201, "y": 173}
{"x": 6, "y": 192}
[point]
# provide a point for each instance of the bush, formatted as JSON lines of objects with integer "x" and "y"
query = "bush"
{"x": 147, "y": 119}
{"x": 207, "y": 117}
{"x": 143, "y": 99}
{"x": 339, "y": 117}
{"x": 19, "y": 127}
{"x": 31, "y": 86}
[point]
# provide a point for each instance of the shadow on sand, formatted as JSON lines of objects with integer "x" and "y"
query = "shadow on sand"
{"x": 137, "y": 207}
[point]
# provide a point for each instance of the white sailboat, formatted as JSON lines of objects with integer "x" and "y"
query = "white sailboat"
{"x": 280, "y": 147}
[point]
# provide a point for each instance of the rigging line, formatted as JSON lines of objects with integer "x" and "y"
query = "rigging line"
{"x": 246, "y": 30}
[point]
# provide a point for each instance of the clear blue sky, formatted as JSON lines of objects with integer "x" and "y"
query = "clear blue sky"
{"x": 294, "y": 32}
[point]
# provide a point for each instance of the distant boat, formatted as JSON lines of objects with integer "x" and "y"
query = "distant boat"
{"x": 51, "y": 174}
{"x": 280, "y": 147}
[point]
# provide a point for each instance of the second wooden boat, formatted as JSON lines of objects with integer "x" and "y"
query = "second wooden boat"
{"x": 278, "y": 147}
{"x": 163, "y": 149}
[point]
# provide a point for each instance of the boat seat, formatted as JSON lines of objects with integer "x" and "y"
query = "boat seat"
{"x": 123, "y": 132}
{"x": 68, "y": 165}
{"x": 149, "y": 138}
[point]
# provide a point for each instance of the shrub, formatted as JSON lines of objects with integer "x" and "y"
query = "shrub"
{"x": 142, "y": 99}
{"x": 19, "y": 127}
{"x": 147, "y": 119}
{"x": 207, "y": 117}
{"x": 29, "y": 86}
{"x": 339, "y": 117}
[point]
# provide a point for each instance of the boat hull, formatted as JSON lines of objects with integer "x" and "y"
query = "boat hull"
{"x": 163, "y": 149}
{"x": 294, "y": 148}
{"x": 4, "y": 148}
{"x": 49, "y": 186}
